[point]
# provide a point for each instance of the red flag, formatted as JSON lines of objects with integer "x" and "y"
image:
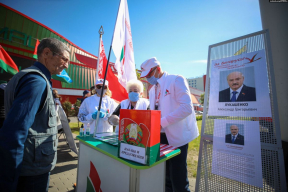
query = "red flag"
{"x": 35, "y": 50}
{"x": 7, "y": 63}
{"x": 119, "y": 93}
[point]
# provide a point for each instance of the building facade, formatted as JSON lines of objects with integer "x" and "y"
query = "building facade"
{"x": 18, "y": 35}
{"x": 197, "y": 83}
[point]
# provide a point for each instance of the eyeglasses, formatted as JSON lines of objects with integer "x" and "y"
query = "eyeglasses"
{"x": 62, "y": 57}
{"x": 100, "y": 87}
{"x": 150, "y": 74}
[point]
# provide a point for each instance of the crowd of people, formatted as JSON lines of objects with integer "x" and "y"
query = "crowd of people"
{"x": 29, "y": 153}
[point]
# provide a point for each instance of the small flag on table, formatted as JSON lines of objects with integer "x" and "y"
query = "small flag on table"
{"x": 7, "y": 63}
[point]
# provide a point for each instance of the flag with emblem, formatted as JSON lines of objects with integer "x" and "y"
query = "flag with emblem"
{"x": 119, "y": 93}
{"x": 123, "y": 47}
{"x": 7, "y": 63}
{"x": 35, "y": 49}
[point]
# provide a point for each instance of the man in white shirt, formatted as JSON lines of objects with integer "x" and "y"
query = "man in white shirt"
{"x": 237, "y": 91}
{"x": 170, "y": 94}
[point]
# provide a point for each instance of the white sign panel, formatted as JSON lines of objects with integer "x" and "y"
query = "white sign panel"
{"x": 239, "y": 86}
{"x": 237, "y": 151}
{"x": 99, "y": 172}
{"x": 132, "y": 153}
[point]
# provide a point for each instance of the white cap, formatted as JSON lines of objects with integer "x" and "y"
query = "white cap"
{"x": 100, "y": 82}
{"x": 147, "y": 65}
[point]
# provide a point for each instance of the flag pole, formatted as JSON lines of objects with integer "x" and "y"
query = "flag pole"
{"x": 102, "y": 92}
{"x": 99, "y": 108}
{"x": 101, "y": 32}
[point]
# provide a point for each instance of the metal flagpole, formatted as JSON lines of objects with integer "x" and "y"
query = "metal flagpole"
{"x": 97, "y": 119}
{"x": 102, "y": 92}
{"x": 101, "y": 32}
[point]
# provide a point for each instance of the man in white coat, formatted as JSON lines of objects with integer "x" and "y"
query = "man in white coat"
{"x": 170, "y": 94}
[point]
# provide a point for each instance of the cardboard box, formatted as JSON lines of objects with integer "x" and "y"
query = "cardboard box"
{"x": 139, "y": 135}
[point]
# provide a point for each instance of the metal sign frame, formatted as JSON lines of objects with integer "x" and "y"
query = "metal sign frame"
{"x": 273, "y": 171}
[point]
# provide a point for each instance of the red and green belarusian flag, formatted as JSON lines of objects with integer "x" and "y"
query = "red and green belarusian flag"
{"x": 123, "y": 47}
{"x": 7, "y": 63}
{"x": 35, "y": 50}
{"x": 119, "y": 91}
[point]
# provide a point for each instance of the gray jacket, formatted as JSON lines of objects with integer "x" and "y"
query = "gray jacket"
{"x": 40, "y": 148}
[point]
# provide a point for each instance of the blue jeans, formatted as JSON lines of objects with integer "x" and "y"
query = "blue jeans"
{"x": 37, "y": 183}
{"x": 176, "y": 169}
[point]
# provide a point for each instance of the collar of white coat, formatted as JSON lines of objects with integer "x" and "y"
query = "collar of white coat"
{"x": 162, "y": 79}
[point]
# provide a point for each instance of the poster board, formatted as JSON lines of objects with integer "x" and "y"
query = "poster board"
{"x": 64, "y": 124}
{"x": 250, "y": 55}
{"x": 247, "y": 75}
{"x": 237, "y": 158}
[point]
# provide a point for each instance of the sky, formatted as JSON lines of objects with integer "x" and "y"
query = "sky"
{"x": 177, "y": 32}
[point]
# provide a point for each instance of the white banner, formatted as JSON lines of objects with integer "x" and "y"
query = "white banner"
{"x": 239, "y": 86}
{"x": 123, "y": 47}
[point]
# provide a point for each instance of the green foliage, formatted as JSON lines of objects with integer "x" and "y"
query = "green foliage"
{"x": 202, "y": 96}
{"x": 199, "y": 118}
{"x": 67, "y": 107}
{"x": 75, "y": 128}
{"x": 76, "y": 107}
{"x": 138, "y": 74}
{"x": 193, "y": 151}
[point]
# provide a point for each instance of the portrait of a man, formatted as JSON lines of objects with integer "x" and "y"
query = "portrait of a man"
{"x": 237, "y": 91}
{"x": 234, "y": 137}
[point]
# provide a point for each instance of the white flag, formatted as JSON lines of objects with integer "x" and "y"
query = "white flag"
{"x": 123, "y": 47}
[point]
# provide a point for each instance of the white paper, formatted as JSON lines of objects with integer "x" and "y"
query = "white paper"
{"x": 241, "y": 161}
{"x": 253, "y": 67}
{"x": 133, "y": 153}
{"x": 104, "y": 134}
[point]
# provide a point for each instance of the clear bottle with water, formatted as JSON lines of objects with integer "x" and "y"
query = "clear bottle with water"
{"x": 88, "y": 130}
{"x": 81, "y": 132}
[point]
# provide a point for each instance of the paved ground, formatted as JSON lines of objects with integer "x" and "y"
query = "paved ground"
{"x": 64, "y": 175}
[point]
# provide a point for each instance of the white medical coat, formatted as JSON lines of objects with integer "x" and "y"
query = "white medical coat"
{"x": 89, "y": 106}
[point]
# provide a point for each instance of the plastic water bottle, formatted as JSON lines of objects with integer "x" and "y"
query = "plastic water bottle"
{"x": 88, "y": 130}
{"x": 81, "y": 132}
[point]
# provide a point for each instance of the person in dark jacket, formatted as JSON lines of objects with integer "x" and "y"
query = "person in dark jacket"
{"x": 2, "y": 109}
{"x": 28, "y": 137}
{"x": 86, "y": 94}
